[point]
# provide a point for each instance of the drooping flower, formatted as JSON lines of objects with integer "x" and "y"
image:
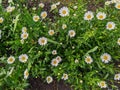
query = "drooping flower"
{"x": 88, "y": 15}
{"x": 71, "y": 33}
{"x": 102, "y": 84}
{"x": 105, "y": 57}
{"x": 42, "y": 41}
{"x": 101, "y": 15}
{"x": 88, "y": 59}
{"x": 23, "y": 58}
{"x": 43, "y": 14}
{"x": 11, "y": 60}
{"x": 65, "y": 76}
{"x": 64, "y": 11}
{"x": 26, "y": 74}
{"x": 110, "y": 25}
{"x": 49, "y": 79}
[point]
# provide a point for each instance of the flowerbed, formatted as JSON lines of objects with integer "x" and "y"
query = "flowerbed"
{"x": 63, "y": 42}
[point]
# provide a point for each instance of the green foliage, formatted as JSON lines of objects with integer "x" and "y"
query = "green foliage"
{"x": 91, "y": 39}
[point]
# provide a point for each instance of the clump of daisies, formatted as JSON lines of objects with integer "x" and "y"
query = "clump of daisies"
{"x": 88, "y": 15}
{"x": 42, "y": 41}
{"x": 65, "y": 76}
{"x": 102, "y": 84}
{"x": 23, "y": 58}
{"x": 64, "y": 11}
{"x": 110, "y": 25}
{"x": 49, "y": 79}
{"x": 1, "y": 20}
{"x": 106, "y": 58}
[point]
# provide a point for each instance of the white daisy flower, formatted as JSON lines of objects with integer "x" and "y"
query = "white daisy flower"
{"x": 105, "y": 57}
{"x": 51, "y": 32}
{"x": 65, "y": 76}
{"x": 64, "y": 11}
{"x": 101, "y": 15}
{"x": 58, "y": 3}
{"x": 1, "y": 20}
{"x": 11, "y": 60}
{"x": 54, "y": 62}
{"x": 117, "y": 77}
{"x": 64, "y": 26}
{"x": 117, "y": 5}
{"x": 88, "y": 59}
{"x": 88, "y": 15}
{"x": 59, "y": 59}
{"x": 53, "y": 6}
{"x": 41, "y": 5}
{"x": 43, "y": 14}
{"x": 26, "y": 74}
{"x": 36, "y": 18}
{"x": 118, "y": 42}
{"x": 10, "y": 9}
{"x": 102, "y": 84}
{"x": 54, "y": 52}
{"x": 71, "y": 33}
{"x": 49, "y": 79}
{"x": 24, "y": 29}
{"x": 110, "y": 25}
{"x": 42, "y": 41}
{"x": 23, "y": 58}
{"x": 24, "y": 35}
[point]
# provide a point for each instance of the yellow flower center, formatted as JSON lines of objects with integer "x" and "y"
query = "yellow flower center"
{"x": 64, "y": 12}
{"x": 26, "y": 74}
{"x": 109, "y": 25}
{"x": 42, "y": 41}
{"x": 102, "y": 84}
{"x": 49, "y": 79}
{"x": 118, "y": 6}
{"x": 88, "y": 59}
{"x": 105, "y": 57}
{"x": 25, "y": 35}
{"x": 1, "y": 20}
{"x": 11, "y": 60}
{"x": 23, "y": 58}
{"x": 36, "y": 18}
{"x": 54, "y": 62}
{"x": 89, "y": 16}
{"x": 101, "y": 16}
{"x": 51, "y": 32}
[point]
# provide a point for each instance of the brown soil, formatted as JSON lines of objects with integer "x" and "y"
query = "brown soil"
{"x": 38, "y": 84}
